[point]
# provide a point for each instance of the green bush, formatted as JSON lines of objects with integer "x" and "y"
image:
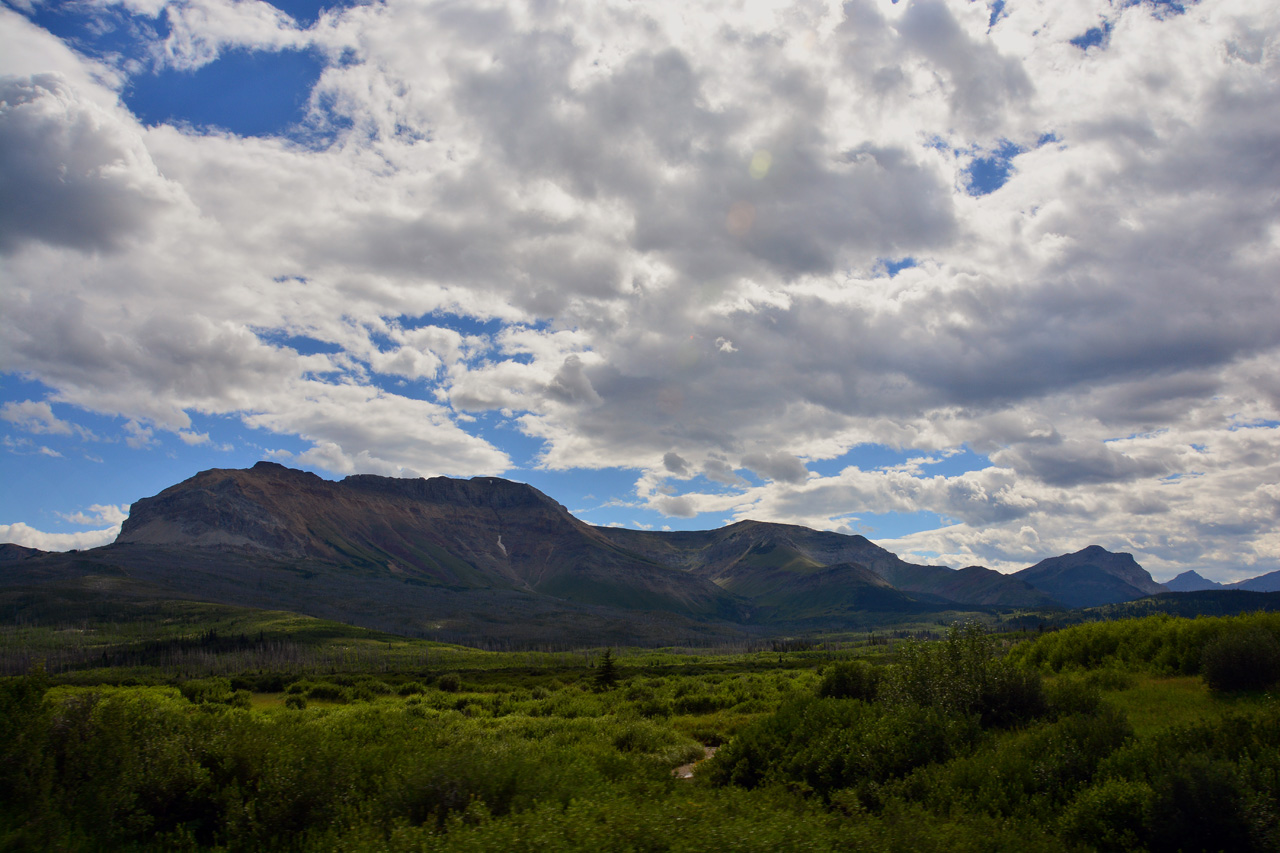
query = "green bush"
{"x": 963, "y": 675}
{"x": 328, "y": 692}
{"x": 1246, "y": 658}
{"x": 26, "y": 774}
{"x": 850, "y": 680}
{"x": 823, "y": 745}
{"x": 1068, "y": 695}
{"x": 1029, "y": 773}
{"x": 1162, "y": 644}
{"x": 449, "y": 682}
{"x": 1212, "y": 786}
{"x": 1109, "y": 817}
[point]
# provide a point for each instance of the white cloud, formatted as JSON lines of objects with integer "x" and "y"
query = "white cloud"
{"x": 200, "y": 30}
{"x": 587, "y": 180}
{"x": 74, "y": 176}
{"x": 99, "y": 514}
{"x": 35, "y": 417}
{"x": 23, "y": 534}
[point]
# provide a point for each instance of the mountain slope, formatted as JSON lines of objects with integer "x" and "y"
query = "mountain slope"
{"x": 487, "y": 559}
{"x": 484, "y": 533}
{"x": 1270, "y": 582}
{"x": 731, "y": 554}
{"x": 1091, "y": 577}
{"x": 1191, "y": 581}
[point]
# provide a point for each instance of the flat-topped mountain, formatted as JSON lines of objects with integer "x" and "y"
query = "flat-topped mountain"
{"x": 487, "y": 557}
{"x": 484, "y": 533}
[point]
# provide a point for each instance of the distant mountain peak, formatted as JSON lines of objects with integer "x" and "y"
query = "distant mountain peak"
{"x": 1191, "y": 581}
{"x": 1090, "y": 577}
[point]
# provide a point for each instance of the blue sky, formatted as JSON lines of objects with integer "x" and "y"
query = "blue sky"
{"x": 947, "y": 274}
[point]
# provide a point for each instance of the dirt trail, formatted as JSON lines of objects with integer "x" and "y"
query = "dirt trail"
{"x": 685, "y": 771}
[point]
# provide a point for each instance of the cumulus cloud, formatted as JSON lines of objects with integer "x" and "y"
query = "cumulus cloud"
{"x": 35, "y": 417}
{"x": 69, "y": 176}
{"x": 24, "y": 534}
{"x": 781, "y": 467}
{"x": 99, "y": 514}
{"x": 674, "y": 463}
{"x": 657, "y": 239}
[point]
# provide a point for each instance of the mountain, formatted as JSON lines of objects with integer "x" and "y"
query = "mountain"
{"x": 1091, "y": 577}
{"x": 10, "y": 551}
{"x": 483, "y": 533}
{"x": 735, "y": 556}
{"x": 488, "y": 561}
{"x": 1191, "y": 581}
{"x": 1270, "y": 582}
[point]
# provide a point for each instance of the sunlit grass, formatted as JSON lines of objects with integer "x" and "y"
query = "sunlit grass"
{"x": 1155, "y": 703}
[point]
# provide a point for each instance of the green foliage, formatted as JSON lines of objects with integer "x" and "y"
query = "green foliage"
{"x": 963, "y": 675}
{"x": 1030, "y": 773}
{"x": 1206, "y": 787}
{"x": 606, "y": 671}
{"x": 214, "y": 691}
{"x": 1109, "y": 816}
{"x": 1159, "y": 644}
{"x": 823, "y": 745}
{"x": 954, "y": 748}
{"x": 850, "y": 680}
{"x": 1244, "y": 658}
{"x": 26, "y": 774}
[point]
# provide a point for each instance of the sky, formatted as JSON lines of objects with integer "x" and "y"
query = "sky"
{"x": 984, "y": 282}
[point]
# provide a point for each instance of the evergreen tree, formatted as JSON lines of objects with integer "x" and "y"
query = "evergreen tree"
{"x": 607, "y": 671}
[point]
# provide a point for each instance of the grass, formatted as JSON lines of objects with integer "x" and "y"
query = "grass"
{"x": 1155, "y": 703}
{"x": 527, "y": 735}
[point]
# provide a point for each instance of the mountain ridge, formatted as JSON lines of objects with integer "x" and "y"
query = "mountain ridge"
{"x": 418, "y": 554}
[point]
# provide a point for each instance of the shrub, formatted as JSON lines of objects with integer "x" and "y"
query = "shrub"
{"x": 295, "y": 701}
{"x": 697, "y": 703}
{"x": 1200, "y": 804}
{"x": 1109, "y": 816}
{"x": 329, "y": 692}
{"x": 823, "y": 745}
{"x": 1241, "y": 659}
{"x": 202, "y": 690}
{"x": 850, "y": 680}
{"x": 1069, "y": 695}
{"x": 449, "y": 682}
{"x": 962, "y": 675}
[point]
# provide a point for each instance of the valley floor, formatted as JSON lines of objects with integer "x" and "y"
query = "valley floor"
{"x": 1072, "y": 741}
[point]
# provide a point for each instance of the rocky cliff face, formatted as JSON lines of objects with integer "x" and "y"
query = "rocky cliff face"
{"x": 482, "y": 533}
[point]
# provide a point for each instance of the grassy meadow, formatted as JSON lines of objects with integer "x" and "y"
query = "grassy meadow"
{"x": 193, "y": 727}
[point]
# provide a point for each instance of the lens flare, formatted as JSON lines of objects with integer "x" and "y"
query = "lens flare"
{"x": 760, "y": 163}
